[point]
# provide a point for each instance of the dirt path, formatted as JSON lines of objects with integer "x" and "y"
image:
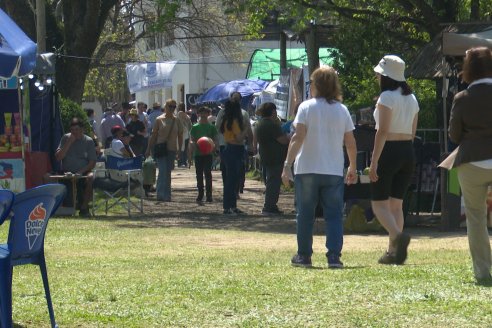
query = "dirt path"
{"x": 183, "y": 211}
{"x": 183, "y": 207}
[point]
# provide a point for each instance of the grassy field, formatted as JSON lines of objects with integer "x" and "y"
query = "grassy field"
{"x": 161, "y": 273}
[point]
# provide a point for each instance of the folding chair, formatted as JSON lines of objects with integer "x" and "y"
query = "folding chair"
{"x": 6, "y": 201}
{"x": 118, "y": 179}
{"x": 32, "y": 210}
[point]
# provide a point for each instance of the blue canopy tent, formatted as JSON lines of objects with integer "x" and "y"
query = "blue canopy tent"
{"x": 17, "y": 51}
{"x": 38, "y": 109}
{"x": 221, "y": 92}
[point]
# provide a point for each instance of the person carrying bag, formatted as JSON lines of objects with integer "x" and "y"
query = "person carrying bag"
{"x": 167, "y": 133}
{"x": 160, "y": 149}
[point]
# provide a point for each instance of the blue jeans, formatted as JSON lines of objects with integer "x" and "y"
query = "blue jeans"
{"x": 183, "y": 155}
{"x": 232, "y": 155}
{"x": 163, "y": 186}
{"x": 328, "y": 189}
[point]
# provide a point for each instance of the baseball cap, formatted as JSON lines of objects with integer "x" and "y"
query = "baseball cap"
{"x": 115, "y": 129}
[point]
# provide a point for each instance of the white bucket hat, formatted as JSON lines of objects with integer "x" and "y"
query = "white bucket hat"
{"x": 391, "y": 66}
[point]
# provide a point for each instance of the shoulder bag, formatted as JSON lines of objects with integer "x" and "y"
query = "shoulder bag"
{"x": 160, "y": 149}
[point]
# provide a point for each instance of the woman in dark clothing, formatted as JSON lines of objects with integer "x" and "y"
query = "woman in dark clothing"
{"x": 137, "y": 128}
{"x": 470, "y": 126}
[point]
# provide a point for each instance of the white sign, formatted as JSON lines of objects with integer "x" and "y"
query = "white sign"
{"x": 149, "y": 76}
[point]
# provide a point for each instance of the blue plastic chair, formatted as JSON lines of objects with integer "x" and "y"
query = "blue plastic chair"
{"x": 32, "y": 210}
{"x": 6, "y": 200}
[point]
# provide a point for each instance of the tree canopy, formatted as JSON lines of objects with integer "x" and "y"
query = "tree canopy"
{"x": 95, "y": 38}
{"x": 363, "y": 32}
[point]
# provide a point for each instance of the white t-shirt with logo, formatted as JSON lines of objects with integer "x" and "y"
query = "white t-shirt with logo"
{"x": 326, "y": 125}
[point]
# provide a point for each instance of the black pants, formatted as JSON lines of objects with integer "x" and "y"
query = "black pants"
{"x": 203, "y": 166}
{"x": 273, "y": 181}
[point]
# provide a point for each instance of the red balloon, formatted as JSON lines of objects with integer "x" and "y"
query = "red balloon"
{"x": 205, "y": 145}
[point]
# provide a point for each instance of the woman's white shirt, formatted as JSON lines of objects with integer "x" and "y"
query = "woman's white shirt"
{"x": 326, "y": 125}
{"x": 403, "y": 108}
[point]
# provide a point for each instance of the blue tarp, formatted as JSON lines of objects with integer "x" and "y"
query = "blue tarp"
{"x": 17, "y": 51}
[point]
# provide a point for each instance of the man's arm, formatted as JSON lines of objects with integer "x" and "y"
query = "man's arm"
{"x": 86, "y": 169}
{"x": 65, "y": 145}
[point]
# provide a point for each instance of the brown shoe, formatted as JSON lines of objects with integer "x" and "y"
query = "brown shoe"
{"x": 401, "y": 243}
{"x": 387, "y": 258}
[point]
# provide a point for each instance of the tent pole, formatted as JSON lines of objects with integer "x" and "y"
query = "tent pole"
{"x": 445, "y": 85}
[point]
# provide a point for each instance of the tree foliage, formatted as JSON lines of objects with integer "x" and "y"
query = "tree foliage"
{"x": 365, "y": 31}
{"x": 95, "y": 38}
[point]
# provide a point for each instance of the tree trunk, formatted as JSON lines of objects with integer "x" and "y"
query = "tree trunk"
{"x": 475, "y": 10}
{"x": 312, "y": 49}
{"x": 83, "y": 22}
{"x": 283, "y": 50}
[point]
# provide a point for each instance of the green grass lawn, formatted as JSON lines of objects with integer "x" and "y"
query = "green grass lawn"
{"x": 147, "y": 273}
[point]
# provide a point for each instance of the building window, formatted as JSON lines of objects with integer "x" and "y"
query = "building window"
{"x": 160, "y": 40}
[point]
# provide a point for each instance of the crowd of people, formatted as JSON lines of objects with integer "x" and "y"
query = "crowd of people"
{"x": 316, "y": 152}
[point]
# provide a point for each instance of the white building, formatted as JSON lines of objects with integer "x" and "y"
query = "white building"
{"x": 200, "y": 66}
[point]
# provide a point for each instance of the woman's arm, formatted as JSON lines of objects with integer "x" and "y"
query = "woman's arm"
{"x": 455, "y": 129}
{"x": 294, "y": 146}
{"x": 153, "y": 138}
{"x": 351, "y": 147}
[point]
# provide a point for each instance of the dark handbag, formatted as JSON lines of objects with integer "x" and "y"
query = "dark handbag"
{"x": 160, "y": 150}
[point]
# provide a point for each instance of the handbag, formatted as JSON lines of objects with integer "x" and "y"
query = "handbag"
{"x": 160, "y": 149}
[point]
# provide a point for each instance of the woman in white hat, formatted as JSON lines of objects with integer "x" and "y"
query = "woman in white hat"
{"x": 393, "y": 159}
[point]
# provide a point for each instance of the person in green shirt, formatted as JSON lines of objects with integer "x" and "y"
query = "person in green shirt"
{"x": 203, "y": 162}
{"x": 272, "y": 145}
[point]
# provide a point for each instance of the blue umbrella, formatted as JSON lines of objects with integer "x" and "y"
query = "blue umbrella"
{"x": 17, "y": 51}
{"x": 221, "y": 92}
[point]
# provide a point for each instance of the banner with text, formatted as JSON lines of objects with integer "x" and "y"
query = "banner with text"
{"x": 149, "y": 76}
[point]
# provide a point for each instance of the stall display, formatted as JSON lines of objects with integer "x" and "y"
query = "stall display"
{"x": 13, "y": 135}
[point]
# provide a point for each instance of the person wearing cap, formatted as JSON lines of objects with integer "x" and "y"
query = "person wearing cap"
{"x": 393, "y": 159}
{"x": 120, "y": 145}
{"x": 77, "y": 154}
{"x": 273, "y": 149}
{"x": 139, "y": 131}
{"x": 322, "y": 127}
{"x": 470, "y": 126}
{"x": 203, "y": 162}
{"x": 109, "y": 120}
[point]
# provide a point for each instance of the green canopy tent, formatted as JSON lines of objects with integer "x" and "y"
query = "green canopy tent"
{"x": 265, "y": 63}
